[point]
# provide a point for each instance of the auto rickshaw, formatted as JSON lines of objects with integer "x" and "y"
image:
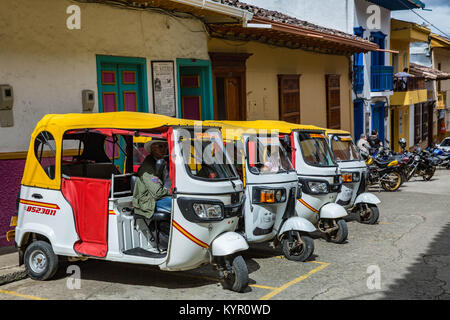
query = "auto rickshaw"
{"x": 318, "y": 176}
{"x": 74, "y": 201}
{"x": 353, "y": 195}
{"x": 271, "y": 191}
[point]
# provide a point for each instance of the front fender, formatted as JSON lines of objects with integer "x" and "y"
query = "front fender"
{"x": 332, "y": 211}
{"x": 228, "y": 243}
{"x": 297, "y": 224}
{"x": 367, "y": 198}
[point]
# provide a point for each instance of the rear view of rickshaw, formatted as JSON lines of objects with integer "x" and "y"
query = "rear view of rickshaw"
{"x": 353, "y": 195}
{"x": 270, "y": 189}
{"x": 76, "y": 199}
{"x": 318, "y": 176}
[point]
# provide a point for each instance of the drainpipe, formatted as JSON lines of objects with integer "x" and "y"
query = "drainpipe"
{"x": 218, "y": 7}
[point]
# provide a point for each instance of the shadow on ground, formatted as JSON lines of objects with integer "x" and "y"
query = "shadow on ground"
{"x": 143, "y": 275}
{"x": 429, "y": 276}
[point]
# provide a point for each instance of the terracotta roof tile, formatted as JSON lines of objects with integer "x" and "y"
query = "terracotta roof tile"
{"x": 259, "y": 12}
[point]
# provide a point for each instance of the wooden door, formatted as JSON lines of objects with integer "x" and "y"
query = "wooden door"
{"x": 333, "y": 93}
{"x": 233, "y": 98}
{"x": 191, "y": 93}
{"x": 120, "y": 88}
{"x": 289, "y": 97}
{"x": 229, "y": 85}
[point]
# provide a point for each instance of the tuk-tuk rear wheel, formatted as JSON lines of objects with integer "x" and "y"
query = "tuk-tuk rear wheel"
{"x": 237, "y": 280}
{"x": 41, "y": 263}
{"x": 299, "y": 248}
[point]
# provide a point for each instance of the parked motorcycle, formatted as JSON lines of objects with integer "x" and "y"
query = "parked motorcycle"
{"x": 441, "y": 157}
{"x": 385, "y": 173}
{"x": 424, "y": 164}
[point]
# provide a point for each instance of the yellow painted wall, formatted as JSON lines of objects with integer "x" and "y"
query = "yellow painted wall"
{"x": 403, "y": 55}
{"x": 401, "y": 126}
{"x": 400, "y": 98}
{"x": 262, "y": 82}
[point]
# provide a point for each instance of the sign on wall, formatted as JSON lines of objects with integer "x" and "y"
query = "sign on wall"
{"x": 163, "y": 78}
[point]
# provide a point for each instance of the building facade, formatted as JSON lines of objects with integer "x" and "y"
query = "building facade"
{"x": 61, "y": 56}
{"x": 372, "y": 71}
{"x": 441, "y": 62}
{"x": 294, "y": 70}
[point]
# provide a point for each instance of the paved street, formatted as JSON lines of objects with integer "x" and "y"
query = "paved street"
{"x": 408, "y": 249}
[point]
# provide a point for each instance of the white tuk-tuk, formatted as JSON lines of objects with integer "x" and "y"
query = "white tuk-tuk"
{"x": 270, "y": 188}
{"x": 318, "y": 176}
{"x": 353, "y": 195}
{"x": 77, "y": 193}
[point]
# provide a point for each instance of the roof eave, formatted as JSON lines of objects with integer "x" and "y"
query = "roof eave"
{"x": 357, "y": 45}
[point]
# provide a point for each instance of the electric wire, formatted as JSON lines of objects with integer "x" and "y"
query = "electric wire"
{"x": 403, "y": 3}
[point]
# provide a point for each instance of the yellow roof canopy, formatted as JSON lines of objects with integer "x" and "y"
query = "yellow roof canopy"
{"x": 270, "y": 125}
{"x": 336, "y": 131}
{"x": 58, "y": 124}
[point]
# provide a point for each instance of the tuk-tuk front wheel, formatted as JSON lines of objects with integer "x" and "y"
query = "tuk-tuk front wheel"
{"x": 234, "y": 272}
{"x": 41, "y": 263}
{"x": 368, "y": 213}
{"x": 297, "y": 246}
{"x": 335, "y": 229}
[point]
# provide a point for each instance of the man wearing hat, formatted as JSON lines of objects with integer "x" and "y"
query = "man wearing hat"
{"x": 157, "y": 149}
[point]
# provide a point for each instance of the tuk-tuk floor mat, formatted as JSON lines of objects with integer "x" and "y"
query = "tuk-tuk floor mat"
{"x": 143, "y": 253}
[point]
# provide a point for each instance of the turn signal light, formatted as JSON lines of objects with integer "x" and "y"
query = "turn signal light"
{"x": 13, "y": 222}
{"x": 267, "y": 196}
{"x": 347, "y": 178}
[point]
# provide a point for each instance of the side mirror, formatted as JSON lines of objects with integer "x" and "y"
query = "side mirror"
{"x": 159, "y": 167}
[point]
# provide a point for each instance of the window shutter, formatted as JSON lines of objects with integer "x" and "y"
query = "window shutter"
{"x": 333, "y": 101}
{"x": 289, "y": 97}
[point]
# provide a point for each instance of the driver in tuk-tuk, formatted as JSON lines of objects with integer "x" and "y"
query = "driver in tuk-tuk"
{"x": 158, "y": 186}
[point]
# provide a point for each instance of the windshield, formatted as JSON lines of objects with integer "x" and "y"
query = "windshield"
{"x": 266, "y": 155}
{"x": 445, "y": 143}
{"x": 315, "y": 150}
{"x": 344, "y": 149}
{"x": 205, "y": 157}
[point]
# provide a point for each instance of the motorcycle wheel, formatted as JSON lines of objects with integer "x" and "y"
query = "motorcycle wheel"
{"x": 429, "y": 174}
{"x": 409, "y": 174}
{"x": 394, "y": 183}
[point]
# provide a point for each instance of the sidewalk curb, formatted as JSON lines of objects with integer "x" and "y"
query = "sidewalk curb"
{"x": 14, "y": 274}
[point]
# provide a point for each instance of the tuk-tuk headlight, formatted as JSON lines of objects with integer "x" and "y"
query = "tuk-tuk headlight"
{"x": 208, "y": 211}
{"x": 355, "y": 176}
{"x": 318, "y": 187}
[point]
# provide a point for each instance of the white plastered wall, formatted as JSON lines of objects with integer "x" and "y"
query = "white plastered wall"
{"x": 49, "y": 65}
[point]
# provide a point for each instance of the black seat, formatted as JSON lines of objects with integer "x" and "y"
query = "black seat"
{"x": 161, "y": 216}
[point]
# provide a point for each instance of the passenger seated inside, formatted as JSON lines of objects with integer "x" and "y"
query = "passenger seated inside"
{"x": 157, "y": 149}
{"x": 152, "y": 189}
{"x": 151, "y": 199}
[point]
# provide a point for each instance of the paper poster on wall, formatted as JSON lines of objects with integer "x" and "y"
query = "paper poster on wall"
{"x": 164, "y": 88}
